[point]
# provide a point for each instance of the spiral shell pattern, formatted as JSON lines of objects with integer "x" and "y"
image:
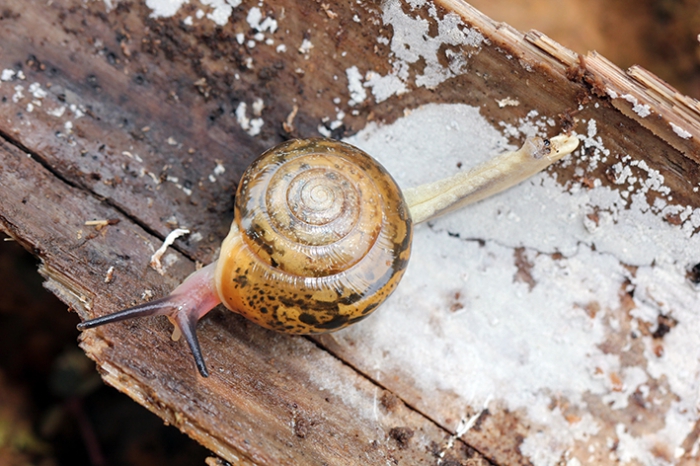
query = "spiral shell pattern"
{"x": 321, "y": 237}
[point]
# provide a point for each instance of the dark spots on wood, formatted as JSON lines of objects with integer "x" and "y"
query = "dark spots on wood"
{"x": 693, "y": 274}
{"x": 34, "y": 64}
{"x": 268, "y": 73}
{"x": 215, "y": 114}
{"x": 8, "y": 14}
{"x": 389, "y": 401}
{"x": 336, "y": 132}
{"x": 673, "y": 219}
{"x": 524, "y": 268}
{"x": 480, "y": 420}
{"x": 302, "y": 427}
{"x": 92, "y": 82}
{"x": 402, "y": 436}
{"x": 111, "y": 57}
{"x": 664, "y": 325}
{"x": 566, "y": 121}
{"x": 455, "y": 303}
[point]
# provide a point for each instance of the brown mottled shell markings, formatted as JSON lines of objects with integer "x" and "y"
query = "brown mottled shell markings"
{"x": 321, "y": 237}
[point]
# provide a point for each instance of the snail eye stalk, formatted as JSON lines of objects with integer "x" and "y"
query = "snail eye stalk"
{"x": 184, "y": 307}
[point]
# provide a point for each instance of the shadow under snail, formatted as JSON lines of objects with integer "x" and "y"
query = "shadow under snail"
{"x": 322, "y": 236}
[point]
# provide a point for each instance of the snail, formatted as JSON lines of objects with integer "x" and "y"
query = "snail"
{"x": 322, "y": 235}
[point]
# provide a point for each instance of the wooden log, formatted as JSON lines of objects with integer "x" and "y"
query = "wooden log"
{"x": 148, "y": 122}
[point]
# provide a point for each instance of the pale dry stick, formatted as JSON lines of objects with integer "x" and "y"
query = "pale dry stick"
{"x": 170, "y": 239}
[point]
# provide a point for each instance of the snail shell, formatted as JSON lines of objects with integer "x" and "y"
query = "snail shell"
{"x": 321, "y": 237}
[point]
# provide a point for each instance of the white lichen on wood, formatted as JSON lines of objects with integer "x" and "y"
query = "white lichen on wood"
{"x": 521, "y": 343}
{"x": 680, "y": 132}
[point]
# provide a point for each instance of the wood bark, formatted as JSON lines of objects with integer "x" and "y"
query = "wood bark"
{"x": 152, "y": 109}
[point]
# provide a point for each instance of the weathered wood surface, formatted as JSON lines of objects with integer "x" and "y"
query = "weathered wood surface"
{"x": 136, "y": 114}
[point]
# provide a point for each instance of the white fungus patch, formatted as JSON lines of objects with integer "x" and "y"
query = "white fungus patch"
{"x": 412, "y": 42}
{"x": 250, "y": 125}
{"x": 77, "y": 110}
{"x": 164, "y": 8}
{"x": 19, "y": 93}
{"x": 386, "y": 86}
{"x": 680, "y": 132}
{"x": 258, "y": 106}
{"x": 36, "y": 91}
{"x": 219, "y": 170}
{"x": 109, "y": 4}
{"x": 7, "y": 75}
{"x": 257, "y": 22}
{"x": 219, "y": 10}
{"x": 521, "y": 345}
{"x": 305, "y": 47}
{"x": 643, "y": 110}
{"x": 507, "y": 102}
{"x": 358, "y": 94}
{"x": 57, "y": 112}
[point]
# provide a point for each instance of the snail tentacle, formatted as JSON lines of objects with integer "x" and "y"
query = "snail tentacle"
{"x": 191, "y": 300}
{"x": 430, "y": 200}
{"x": 154, "y": 308}
{"x": 186, "y": 323}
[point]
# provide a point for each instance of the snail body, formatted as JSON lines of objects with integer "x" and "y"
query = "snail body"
{"x": 322, "y": 235}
